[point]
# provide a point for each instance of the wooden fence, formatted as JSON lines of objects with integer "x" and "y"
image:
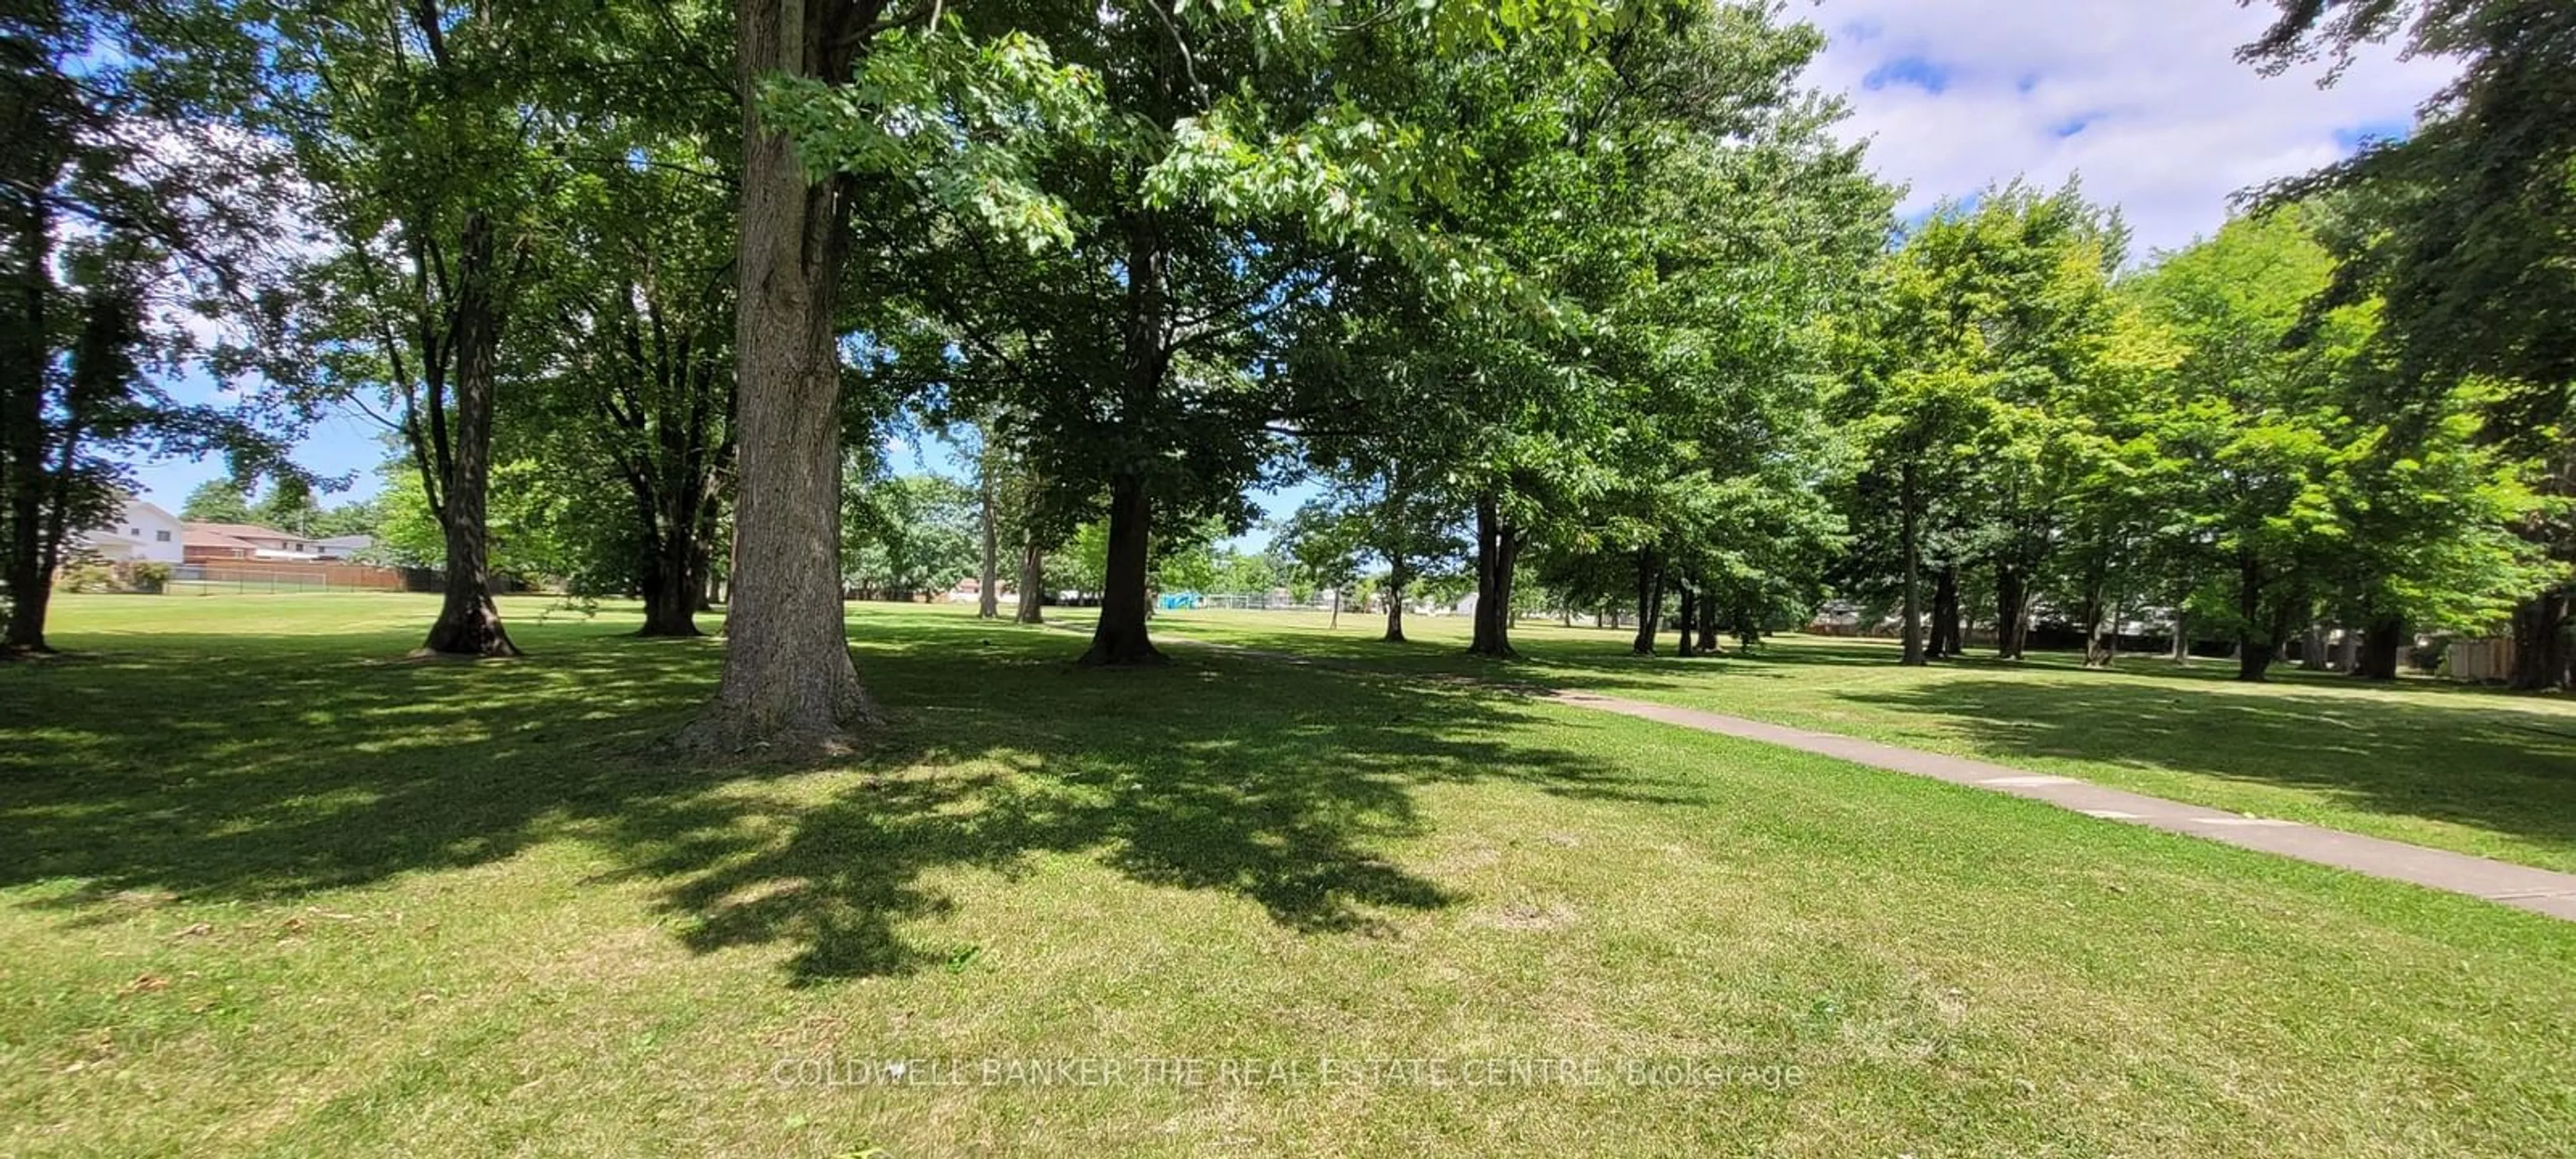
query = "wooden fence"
{"x": 2479, "y": 661}
{"x": 285, "y": 575}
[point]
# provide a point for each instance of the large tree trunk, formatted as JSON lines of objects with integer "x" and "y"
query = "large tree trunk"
{"x": 468, "y": 624}
{"x": 1498, "y": 546}
{"x": 2253, "y": 650}
{"x": 2181, "y": 637}
{"x": 2252, "y": 661}
{"x": 1948, "y": 639}
{"x": 2097, "y": 653}
{"x": 2540, "y": 652}
{"x": 1119, "y": 638}
{"x": 1032, "y": 608}
{"x": 1650, "y": 603}
{"x": 30, "y": 581}
{"x": 665, "y": 459}
{"x": 988, "y": 597}
{"x": 1685, "y": 625}
{"x": 1394, "y": 605}
{"x": 22, "y": 425}
{"x": 671, "y": 563}
{"x": 671, "y": 590}
{"x": 787, "y": 672}
{"x": 30, "y": 574}
{"x": 2012, "y": 611}
{"x": 30, "y": 591}
{"x": 1912, "y": 548}
{"x": 1708, "y": 625}
{"x": 2383, "y": 648}
{"x": 2313, "y": 654}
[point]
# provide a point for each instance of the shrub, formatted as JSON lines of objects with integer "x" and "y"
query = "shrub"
{"x": 148, "y": 576}
{"x": 92, "y": 574}
{"x": 86, "y": 576}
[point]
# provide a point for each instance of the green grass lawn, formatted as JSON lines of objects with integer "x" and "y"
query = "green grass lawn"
{"x": 267, "y": 888}
{"x": 2423, "y": 761}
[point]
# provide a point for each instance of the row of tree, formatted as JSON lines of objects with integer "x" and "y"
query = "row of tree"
{"x": 1578, "y": 297}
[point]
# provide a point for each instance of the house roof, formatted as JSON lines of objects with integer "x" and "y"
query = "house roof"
{"x": 237, "y": 531}
{"x": 132, "y": 512}
{"x": 132, "y": 503}
{"x": 197, "y": 535}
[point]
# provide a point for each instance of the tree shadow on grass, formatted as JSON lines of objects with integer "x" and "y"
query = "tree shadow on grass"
{"x": 217, "y": 766}
{"x": 2422, "y": 748}
{"x": 2498, "y": 769}
{"x": 288, "y": 768}
{"x": 1279, "y": 784}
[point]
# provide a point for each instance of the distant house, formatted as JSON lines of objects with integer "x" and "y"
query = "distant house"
{"x": 345, "y": 546}
{"x": 971, "y": 590}
{"x": 210, "y": 542}
{"x": 139, "y": 531}
{"x": 205, "y": 546}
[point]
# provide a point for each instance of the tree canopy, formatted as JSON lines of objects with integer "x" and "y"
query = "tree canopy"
{"x": 1589, "y": 306}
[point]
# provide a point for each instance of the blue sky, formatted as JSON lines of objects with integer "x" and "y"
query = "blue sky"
{"x": 2142, "y": 98}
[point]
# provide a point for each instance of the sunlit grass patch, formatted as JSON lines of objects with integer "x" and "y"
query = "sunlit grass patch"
{"x": 2422, "y": 761}
{"x": 479, "y": 911}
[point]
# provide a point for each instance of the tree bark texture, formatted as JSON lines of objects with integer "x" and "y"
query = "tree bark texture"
{"x": 988, "y": 596}
{"x": 468, "y": 623}
{"x": 2260, "y": 629}
{"x": 2383, "y": 648}
{"x": 2540, "y": 649}
{"x": 1909, "y": 521}
{"x": 1947, "y": 637}
{"x": 787, "y": 672}
{"x": 2253, "y": 654}
{"x": 1119, "y": 637}
{"x": 2098, "y": 644}
{"x": 1032, "y": 609}
{"x": 22, "y": 426}
{"x": 1498, "y": 547}
{"x": 2012, "y": 611}
{"x": 670, "y": 581}
{"x": 1650, "y": 603}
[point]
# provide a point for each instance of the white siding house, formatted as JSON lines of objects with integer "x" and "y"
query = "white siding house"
{"x": 344, "y": 546}
{"x": 138, "y": 531}
{"x": 213, "y": 541}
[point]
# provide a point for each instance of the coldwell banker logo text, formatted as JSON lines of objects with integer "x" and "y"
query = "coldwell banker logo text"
{"x": 1320, "y": 1071}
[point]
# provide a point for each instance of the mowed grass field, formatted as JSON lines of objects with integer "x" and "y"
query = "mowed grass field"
{"x": 2424, "y": 761}
{"x": 267, "y": 888}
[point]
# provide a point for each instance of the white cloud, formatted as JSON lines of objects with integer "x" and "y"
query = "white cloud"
{"x": 2143, "y": 98}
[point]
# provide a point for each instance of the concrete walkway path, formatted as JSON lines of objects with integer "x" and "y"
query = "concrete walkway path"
{"x": 2521, "y": 886}
{"x": 2538, "y": 890}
